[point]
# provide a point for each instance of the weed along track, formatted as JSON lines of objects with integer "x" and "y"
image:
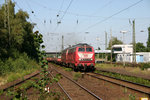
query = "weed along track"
{"x": 18, "y": 84}
{"x": 62, "y": 88}
{"x": 124, "y": 73}
{"x": 75, "y": 90}
{"x": 19, "y": 81}
{"x": 131, "y": 85}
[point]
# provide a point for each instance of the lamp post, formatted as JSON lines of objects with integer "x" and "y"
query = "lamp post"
{"x": 123, "y": 32}
{"x": 98, "y": 40}
{"x": 85, "y": 35}
{"x": 123, "y": 47}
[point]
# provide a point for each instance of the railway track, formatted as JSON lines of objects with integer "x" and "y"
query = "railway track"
{"x": 19, "y": 81}
{"x": 13, "y": 86}
{"x": 122, "y": 74}
{"x": 62, "y": 88}
{"x": 131, "y": 85}
{"x": 79, "y": 85}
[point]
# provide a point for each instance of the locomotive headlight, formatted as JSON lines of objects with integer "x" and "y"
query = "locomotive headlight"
{"x": 79, "y": 58}
{"x": 91, "y": 59}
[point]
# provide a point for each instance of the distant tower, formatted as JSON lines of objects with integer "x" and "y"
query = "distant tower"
{"x": 134, "y": 43}
{"x": 62, "y": 48}
{"x": 105, "y": 40}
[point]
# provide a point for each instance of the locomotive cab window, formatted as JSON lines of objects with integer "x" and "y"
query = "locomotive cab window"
{"x": 81, "y": 49}
{"x": 88, "y": 49}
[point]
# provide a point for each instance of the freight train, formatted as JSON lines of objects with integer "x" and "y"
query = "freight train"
{"x": 78, "y": 57}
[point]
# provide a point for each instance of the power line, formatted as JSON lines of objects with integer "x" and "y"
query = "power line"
{"x": 66, "y": 9}
{"x": 29, "y": 6}
{"x": 61, "y": 7}
{"x": 17, "y": 4}
{"x": 58, "y": 20}
{"x": 29, "y": 17}
{"x": 34, "y": 15}
{"x": 63, "y": 15}
{"x": 84, "y": 15}
{"x": 114, "y": 14}
{"x": 101, "y": 8}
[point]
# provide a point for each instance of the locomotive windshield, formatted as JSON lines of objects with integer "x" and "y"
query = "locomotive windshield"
{"x": 81, "y": 49}
{"x": 88, "y": 49}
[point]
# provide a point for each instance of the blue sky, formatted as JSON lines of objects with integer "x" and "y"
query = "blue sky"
{"x": 78, "y": 24}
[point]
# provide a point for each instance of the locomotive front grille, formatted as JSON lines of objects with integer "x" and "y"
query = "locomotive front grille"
{"x": 86, "y": 59}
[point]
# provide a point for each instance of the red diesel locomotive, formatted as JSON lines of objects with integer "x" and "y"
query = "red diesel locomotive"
{"x": 79, "y": 57}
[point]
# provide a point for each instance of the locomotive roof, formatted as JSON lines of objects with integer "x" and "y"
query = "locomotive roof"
{"x": 77, "y": 45}
{"x": 81, "y": 44}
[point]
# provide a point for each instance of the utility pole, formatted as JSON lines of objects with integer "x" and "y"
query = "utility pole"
{"x": 105, "y": 44}
{"x": 111, "y": 43}
{"x": 5, "y": 14}
{"x": 105, "y": 40}
{"x": 62, "y": 48}
{"x": 134, "y": 43}
{"x": 8, "y": 22}
{"x": 56, "y": 52}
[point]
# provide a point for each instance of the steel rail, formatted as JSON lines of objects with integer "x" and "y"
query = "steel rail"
{"x": 123, "y": 80}
{"x": 118, "y": 83}
{"x": 19, "y": 82}
{"x": 62, "y": 88}
{"x": 94, "y": 95}
{"x": 123, "y": 74}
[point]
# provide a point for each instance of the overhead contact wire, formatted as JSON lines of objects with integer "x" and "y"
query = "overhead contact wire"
{"x": 64, "y": 14}
{"x": 114, "y": 14}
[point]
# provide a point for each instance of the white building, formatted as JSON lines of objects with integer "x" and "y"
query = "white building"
{"x": 124, "y": 57}
{"x": 102, "y": 51}
{"x": 125, "y": 54}
{"x": 120, "y": 49}
{"x": 146, "y": 56}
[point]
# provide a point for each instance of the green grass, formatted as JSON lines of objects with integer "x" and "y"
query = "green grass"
{"x": 1, "y": 92}
{"x": 26, "y": 85}
{"x": 106, "y": 66}
{"x": 76, "y": 76}
{"x": 132, "y": 96}
{"x": 14, "y": 68}
{"x": 125, "y": 90}
{"x": 128, "y": 78}
{"x": 68, "y": 69}
{"x": 134, "y": 70}
{"x": 122, "y": 98}
{"x": 14, "y": 76}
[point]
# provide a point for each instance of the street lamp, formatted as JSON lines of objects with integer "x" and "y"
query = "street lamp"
{"x": 123, "y": 35}
{"x": 98, "y": 40}
{"x": 98, "y": 46}
{"x": 85, "y": 35}
{"x": 123, "y": 47}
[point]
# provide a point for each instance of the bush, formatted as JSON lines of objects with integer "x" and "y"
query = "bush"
{"x": 1, "y": 67}
{"x": 145, "y": 66}
{"x": 23, "y": 62}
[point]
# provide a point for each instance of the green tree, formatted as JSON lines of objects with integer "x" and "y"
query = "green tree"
{"x": 99, "y": 48}
{"x": 21, "y": 37}
{"x": 148, "y": 41}
{"x": 114, "y": 42}
{"x": 140, "y": 47}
